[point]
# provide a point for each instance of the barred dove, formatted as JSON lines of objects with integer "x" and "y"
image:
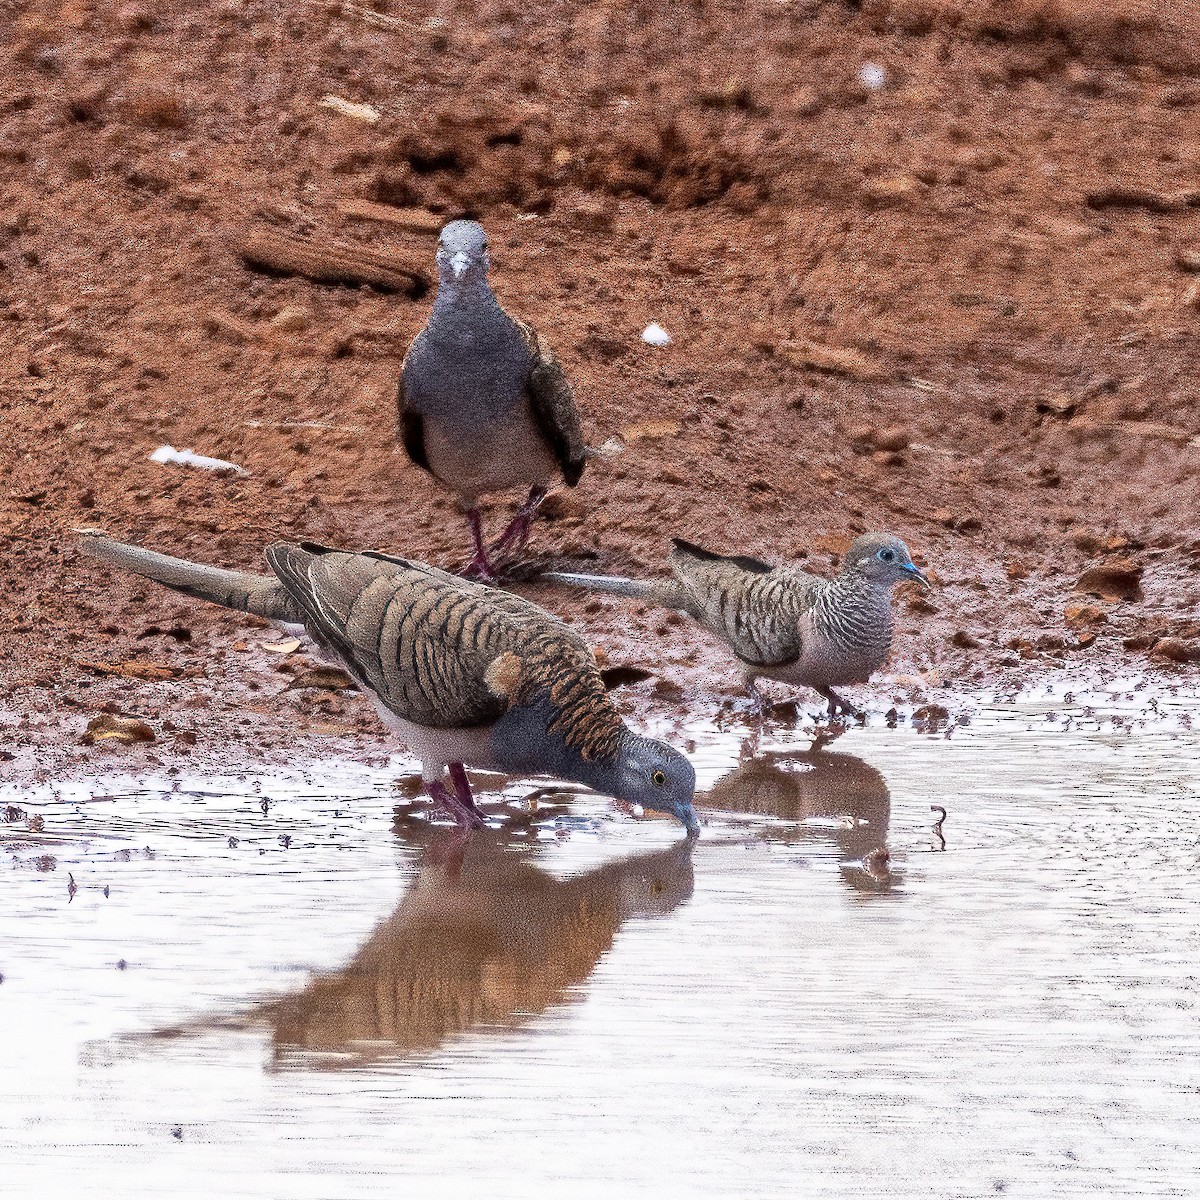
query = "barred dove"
{"x": 783, "y": 622}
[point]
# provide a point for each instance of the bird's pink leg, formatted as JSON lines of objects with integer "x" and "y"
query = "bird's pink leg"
{"x": 480, "y": 566}
{"x": 517, "y": 534}
{"x": 466, "y": 816}
{"x": 462, "y": 788}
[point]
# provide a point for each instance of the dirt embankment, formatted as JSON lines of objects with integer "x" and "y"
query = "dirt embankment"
{"x": 928, "y": 266}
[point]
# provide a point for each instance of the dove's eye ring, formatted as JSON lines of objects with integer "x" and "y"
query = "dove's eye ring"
{"x": 658, "y": 778}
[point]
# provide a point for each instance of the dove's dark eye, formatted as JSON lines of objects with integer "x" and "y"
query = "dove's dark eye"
{"x": 887, "y": 556}
{"x": 658, "y": 778}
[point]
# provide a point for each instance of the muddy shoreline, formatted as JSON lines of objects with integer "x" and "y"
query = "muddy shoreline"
{"x": 954, "y": 298}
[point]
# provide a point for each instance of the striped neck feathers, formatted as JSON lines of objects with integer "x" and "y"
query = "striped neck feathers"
{"x": 854, "y": 612}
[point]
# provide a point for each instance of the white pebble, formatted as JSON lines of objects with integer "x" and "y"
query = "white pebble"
{"x": 189, "y": 458}
{"x": 356, "y": 112}
{"x": 872, "y": 75}
{"x": 655, "y": 335}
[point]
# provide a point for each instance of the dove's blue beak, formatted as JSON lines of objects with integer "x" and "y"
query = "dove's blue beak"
{"x": 912, "y": 572}
{"x": 459, "y": 263}
{"x": 690, "y": 821}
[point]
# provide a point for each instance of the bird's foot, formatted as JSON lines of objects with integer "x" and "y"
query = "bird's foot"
{"x": 517, "y": 533}
{"x": 480, "y": 568}
{"x": 462, "y": 790}
{"x": 444, "y": 798}
{"x": 841, "y": 708}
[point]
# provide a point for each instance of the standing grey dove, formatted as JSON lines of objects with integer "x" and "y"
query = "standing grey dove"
{"x": 483, "y": 405}
{"x": 464, "y": 674}
{"x": 783, "y": 622}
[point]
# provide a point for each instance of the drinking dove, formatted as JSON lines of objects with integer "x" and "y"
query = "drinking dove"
{"x": 464, "y": 674}
{"x": 484, "y": 406}
{"x": 783, "y": 622}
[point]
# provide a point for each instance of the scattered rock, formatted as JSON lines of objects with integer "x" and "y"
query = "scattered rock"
{"x": 125, "y": 730}
{"x": 561, "y": 506}
{"x": 891, "y": 189}
{"x": 293, "y": 319}
{"x": 833, "y": 360}
{"x": 931, "y": 714}
{"x": 1175, "y": 650}
{"x": 1139, "y": 641}
{"x": 964, "y": 641}
{"x": 807, "y": 102}
{"x": 1059, "y": 405}
{"x": 645, "y": 430}
{"x": 133, "y": 669}
{"x": 1124, "y": 196}
{"x": 1120, "y": 579}
{"x": 655, "y": 335}
{"x": 412, "y": 220}
{"x": 616, "y": 677}
{"x": 591, "y": 212}
{"x": 329, "y": 679}
{"x": 287, "y": 646}
{"x": 365, "y": 113}
{"x": 892, "y": 440}
{"x": 872, "y": 76}
{"x": 189, "y": 458}
{"x": 1079, "y": 616}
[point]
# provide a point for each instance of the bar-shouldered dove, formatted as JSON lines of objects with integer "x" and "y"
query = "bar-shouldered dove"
{"x": 465, "y": 675}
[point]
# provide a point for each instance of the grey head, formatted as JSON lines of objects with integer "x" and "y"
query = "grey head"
{"x": 657, "y": 777}
{"x": 883, "y": 559}
{"x": 462, "y": 255}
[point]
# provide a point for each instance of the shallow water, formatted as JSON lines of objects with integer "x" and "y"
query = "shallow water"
{"x": 302, "y": 988}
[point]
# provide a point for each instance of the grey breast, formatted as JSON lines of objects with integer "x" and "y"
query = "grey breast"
{"x": 468, "y": 367}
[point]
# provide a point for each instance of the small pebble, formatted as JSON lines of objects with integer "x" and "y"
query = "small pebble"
{"x": 872, "y": 75}
{"x": 655, "y": 335}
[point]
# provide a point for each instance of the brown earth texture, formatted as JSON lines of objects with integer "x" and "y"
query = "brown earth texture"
{"x": 928, "y": 266}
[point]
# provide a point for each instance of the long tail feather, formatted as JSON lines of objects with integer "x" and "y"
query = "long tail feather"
{"x": 263, "y": 595}
{"x": 656, "y": 591}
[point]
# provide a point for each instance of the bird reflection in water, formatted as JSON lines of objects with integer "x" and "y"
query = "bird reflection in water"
{"x": 483, "y": 938}
{"x": 832, "y": 796}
